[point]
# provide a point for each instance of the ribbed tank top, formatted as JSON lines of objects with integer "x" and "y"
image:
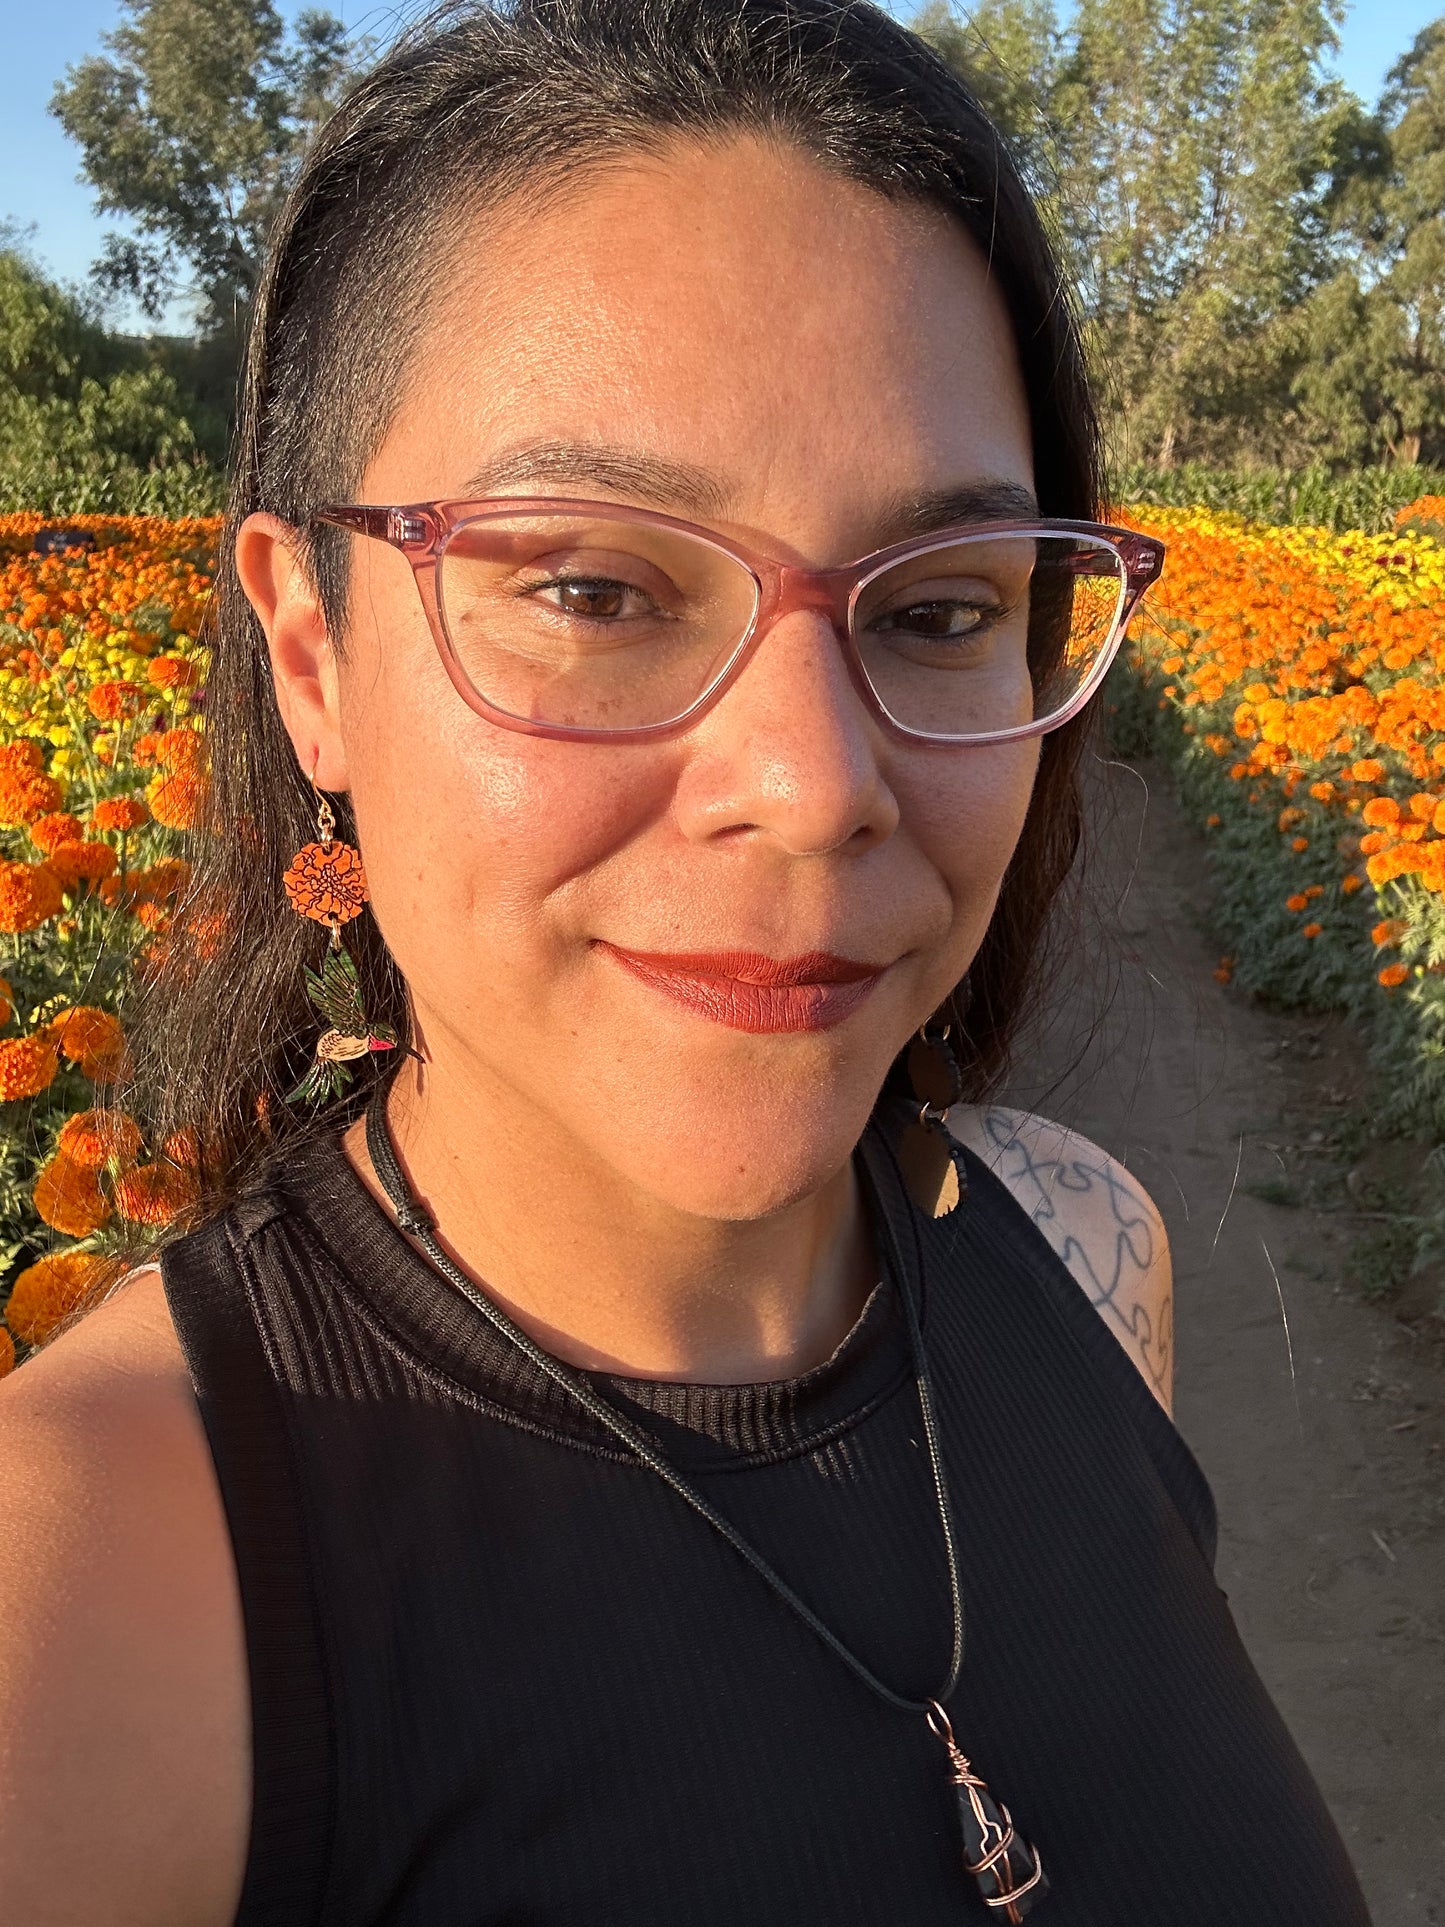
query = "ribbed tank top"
{"x": 500, "y": 1674}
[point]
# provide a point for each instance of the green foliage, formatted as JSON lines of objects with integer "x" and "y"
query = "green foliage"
{"x": 1315, "y": 496}
{"x": 88, "y": 422}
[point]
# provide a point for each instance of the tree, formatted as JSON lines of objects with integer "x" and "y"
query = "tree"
{"x": 1371, "y": 374}
{"x": 193, "y": 123}
{"x": 1008, "y": 51}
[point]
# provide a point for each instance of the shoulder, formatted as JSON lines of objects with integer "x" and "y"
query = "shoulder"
{"x": 1099, "y": 1219}
{"x": 124, "y": 1773}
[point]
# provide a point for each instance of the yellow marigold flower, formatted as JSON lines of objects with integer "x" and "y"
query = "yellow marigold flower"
{"x": 69, "y": 1198}
{"x": 48, "y": 1291}
{"x": 1393, "y": 975}
{"x": 96, "y": 1138}
{"x": 27, "y": 1067}
{"x": 118, "y": 814}
{"x": 155, "y": 1194}
{"x": 178, "y": 800}
{"x": 91, "y": 1038}
{"x": 29, "y": 894}
{"x": 110, "y": 701}
{"x": 7, "y": 1352}
{"x": 1312, "y": 929}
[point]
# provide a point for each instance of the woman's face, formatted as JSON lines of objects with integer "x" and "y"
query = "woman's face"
{"x": 732, "y": 335}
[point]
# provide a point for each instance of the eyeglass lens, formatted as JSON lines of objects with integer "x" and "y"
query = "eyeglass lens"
{"x": 580, "y": 622}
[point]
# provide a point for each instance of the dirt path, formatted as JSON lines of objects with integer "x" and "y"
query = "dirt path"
{"x": 1323, "y": 1436}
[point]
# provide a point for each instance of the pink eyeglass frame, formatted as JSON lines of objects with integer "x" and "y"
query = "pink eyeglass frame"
{"x": 421, "y": 531}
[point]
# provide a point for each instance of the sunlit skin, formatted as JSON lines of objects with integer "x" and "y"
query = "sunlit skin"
{"x": 645, "y": 1187}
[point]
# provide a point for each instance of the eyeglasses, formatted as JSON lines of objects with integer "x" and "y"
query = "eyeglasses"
{"x": 602, "y": 623}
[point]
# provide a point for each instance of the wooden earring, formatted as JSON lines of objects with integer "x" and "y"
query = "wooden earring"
{"x": 326, "y": 882}
{"x": 930, "y": 1156}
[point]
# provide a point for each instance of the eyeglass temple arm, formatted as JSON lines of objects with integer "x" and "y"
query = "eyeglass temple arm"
{"x": 403, "y": 528}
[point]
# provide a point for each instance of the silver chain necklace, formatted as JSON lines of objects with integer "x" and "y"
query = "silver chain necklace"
{"x": 1008, "y": 1871}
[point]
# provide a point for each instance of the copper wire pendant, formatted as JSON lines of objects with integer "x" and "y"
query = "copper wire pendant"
{"x": 1009, "y": 1872}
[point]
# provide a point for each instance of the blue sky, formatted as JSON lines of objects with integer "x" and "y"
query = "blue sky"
{"x": 38, "y": 165}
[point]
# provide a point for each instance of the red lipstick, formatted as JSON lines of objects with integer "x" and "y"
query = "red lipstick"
{"x": 747, "y": 991}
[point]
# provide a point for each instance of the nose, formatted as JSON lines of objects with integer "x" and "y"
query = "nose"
{"x": 790, "y": 751}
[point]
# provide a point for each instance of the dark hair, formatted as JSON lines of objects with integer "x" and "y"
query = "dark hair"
{"x": 477, "y": 99}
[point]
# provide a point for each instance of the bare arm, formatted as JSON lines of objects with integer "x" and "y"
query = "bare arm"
{"x": 124, "y": 1729}
{"x": 1098, "y": 1218}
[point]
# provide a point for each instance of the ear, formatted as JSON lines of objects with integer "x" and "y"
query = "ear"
{"x": 279, "y": 588}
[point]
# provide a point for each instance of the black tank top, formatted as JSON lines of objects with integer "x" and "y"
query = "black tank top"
{"x": 502, "y": 1677}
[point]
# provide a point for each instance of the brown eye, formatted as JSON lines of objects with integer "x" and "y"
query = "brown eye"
{"x": 598, "y": 601}
{"x": 935, "y": 620}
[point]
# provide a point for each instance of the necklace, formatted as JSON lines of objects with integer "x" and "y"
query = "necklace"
{"x": 1008, "y": 1871}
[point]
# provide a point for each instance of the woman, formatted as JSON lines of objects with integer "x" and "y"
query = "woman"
{"x": 605, "y": 1452}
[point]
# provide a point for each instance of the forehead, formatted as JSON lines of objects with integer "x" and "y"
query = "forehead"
{"x": 736, "y": 309}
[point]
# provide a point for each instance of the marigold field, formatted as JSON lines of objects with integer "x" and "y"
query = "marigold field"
{"x": 1295, "y": 677}
{"x": 102, "y": 775}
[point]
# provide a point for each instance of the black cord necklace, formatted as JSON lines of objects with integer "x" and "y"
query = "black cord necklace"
{"x": 1008, "y": 1871}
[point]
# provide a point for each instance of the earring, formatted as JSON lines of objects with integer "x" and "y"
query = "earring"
{"x": 327, "y": 884}
{"x": 930, "y": 1156}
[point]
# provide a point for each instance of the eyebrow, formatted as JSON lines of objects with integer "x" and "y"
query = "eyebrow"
{"x": 682, "y": 488}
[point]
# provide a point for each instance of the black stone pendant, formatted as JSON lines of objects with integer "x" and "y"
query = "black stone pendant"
{"x": 1009, "y": 1873}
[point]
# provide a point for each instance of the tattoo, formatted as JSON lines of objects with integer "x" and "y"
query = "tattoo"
{"x": 1112, "y": 1259}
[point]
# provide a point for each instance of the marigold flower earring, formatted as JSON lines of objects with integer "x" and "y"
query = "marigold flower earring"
{"x": 327, "y": 883}
{"x": 930, "y": 1156}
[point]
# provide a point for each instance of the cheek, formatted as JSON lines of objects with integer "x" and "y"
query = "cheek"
{"x": 477, "y": 838}
{"x": 964, "y": 809}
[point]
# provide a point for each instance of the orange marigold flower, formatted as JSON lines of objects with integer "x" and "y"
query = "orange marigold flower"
{"x": 1298, "y": 843}
{"x": 29, "y": 894}
{"x": 1351, "y": 882}
{"x": 1389, "y": 931}
{"x": 183, "y": 1148}
{"x": 163, "y": 881}
{"x": 77, "y": 863}
{"x": 1213, "y": 822}
{"x": 1312, "y": 929}
{"x": 181, "y": 749}
{"x": 91, "y": 1038}
{"x": 1299, "y": 901}
{"x": 1393, "y": 975}
{"x": 1381, "y": 811}
{"x": 118, "y": 813}
{"x": 152, "y": 916}
{"x": 146, "y": 749}
{"x": 1224, "y": 970}
{"x": 94, "y": 1138}
{"x": 21, "y": 758}
{"x": 54, "y": 1286}
{"x": 327, "y": 883}
{"x": 177, "y": 800}
{"x": 1369, "y": 769}
{"x": 46, "y": 832}
{"x": 155, "y": 1194}
{"x": 27, "y": 1067}
{"x": 7, "y": 1352}
{"x": 69, "y": 1198}
{"x": 110, "y": 701}
{"x": 1422, "y": 806}
{"x": 172, "y": 672}
{"x": 26, "y": 796}
{"x": 1322, "y": 792}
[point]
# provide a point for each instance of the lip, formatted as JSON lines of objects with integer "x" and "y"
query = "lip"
{"x": 745, "y": 990}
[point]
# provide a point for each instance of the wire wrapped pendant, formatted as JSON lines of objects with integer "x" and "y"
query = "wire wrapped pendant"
{"x": 1009, "y": 1872}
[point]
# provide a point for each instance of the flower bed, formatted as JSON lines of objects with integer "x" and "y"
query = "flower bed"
{"x": 1296, "y": 678}
{"x": 102, "y": 773}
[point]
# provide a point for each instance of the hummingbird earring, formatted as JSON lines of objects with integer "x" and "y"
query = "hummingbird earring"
{"x": 327, "y": 883}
